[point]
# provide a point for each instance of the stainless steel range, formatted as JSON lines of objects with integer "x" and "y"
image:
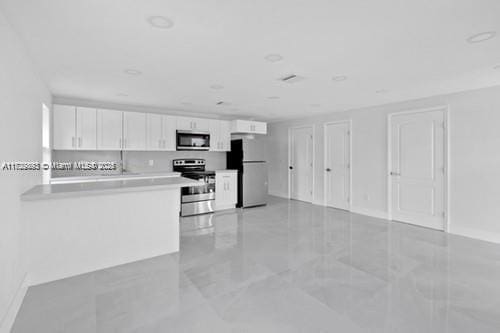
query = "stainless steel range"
{"x": 196, "y": 199}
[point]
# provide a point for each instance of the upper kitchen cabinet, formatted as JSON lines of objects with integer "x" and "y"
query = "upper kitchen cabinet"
{"x": 64, "y": 127}
{"x": 74, "y": 128}
{"x": 220, "y": 135}
{"x": 86, "y": 128}
{"x": 160, "y": 132}
{"x": 109, "y": 130}
{"x": 248, "y": 127}
{"x": 134, "y": 131}
{"x": 192, "y": 124}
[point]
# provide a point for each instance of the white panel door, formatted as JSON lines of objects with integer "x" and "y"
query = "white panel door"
{"x": 64, "y": 127}
{"x": 169, "y": 133}
{"x": 109, "y": 130}
{"x": 337, "y": 157}
{"x": 134, "y": 131}
{"x": 301, "y": 169}
{"x": 418, "y": 169}
{"x": 154, "y": 131}
{"x": 86, "y": 128}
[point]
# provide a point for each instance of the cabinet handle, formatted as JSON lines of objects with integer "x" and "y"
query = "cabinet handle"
{"x": 79, "y": 141}
{"x": 73, "y": 141}
{"x": 120, "y": 143}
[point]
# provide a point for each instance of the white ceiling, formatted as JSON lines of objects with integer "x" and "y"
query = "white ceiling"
{"x": 408, "y": 49}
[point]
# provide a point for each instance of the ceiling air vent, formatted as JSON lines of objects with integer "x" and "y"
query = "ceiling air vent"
{"x": 292, "y": 78}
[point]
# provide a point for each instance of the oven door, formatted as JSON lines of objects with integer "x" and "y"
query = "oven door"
{"x": 199, "y": 193}
{"x": 189, "y": 140}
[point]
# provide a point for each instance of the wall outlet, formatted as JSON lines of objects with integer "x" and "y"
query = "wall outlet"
{"x": 151, "y": 162}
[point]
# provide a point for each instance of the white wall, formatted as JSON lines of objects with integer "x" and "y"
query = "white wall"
{"x": 21, "y": 96}
{"x": 474, "y": 124}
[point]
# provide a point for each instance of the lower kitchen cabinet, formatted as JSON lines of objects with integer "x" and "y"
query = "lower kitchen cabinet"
{"x": 226, "y": 189}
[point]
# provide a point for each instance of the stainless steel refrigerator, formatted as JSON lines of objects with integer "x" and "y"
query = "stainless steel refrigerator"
{"x": 248, "y": 157}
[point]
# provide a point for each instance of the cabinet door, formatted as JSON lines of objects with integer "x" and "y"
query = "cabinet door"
{"x": 215, "y": 144}
{"x": 134, "y": 131}
{"x": 231, "y": 188}
{"x": 200, "y": 124}
{"x": 109, "y": 130}
{"x": 86, "y": 128}
{"x": 226, "y": 190}
{"x": 185, "y": 123}
{"x": 169, "y": 133}
{"x": 220, "y": 190}
{"x": 154, "y": 131}
{"x": 225, "y": 135}
{"x": 64, "y": 127}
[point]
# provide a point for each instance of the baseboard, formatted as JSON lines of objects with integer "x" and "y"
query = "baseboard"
{"x": 277, "y": 194}
{"x": 370, "y": 212}
{"x": 15, "y": 305}
{"x": 474, "y": 233}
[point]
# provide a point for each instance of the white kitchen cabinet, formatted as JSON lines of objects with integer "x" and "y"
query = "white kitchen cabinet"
{"x": 86, "y": 128}
{"x": 64, "y": 127}
{"x": 220, "y": 135}
{"x": 154, "y": 131}
{"x": 192, "y": 124}
{"x": 134, "y": 131}
{"x": 226, "y": 189}
{"x": 109, "y": 129}
{"x": 160, "y": 132}
{"x": 248, "y": 127}
{"x": 74, "y": 128}
{"x": 225, "y": 135}
{"x": 169, "y": 133}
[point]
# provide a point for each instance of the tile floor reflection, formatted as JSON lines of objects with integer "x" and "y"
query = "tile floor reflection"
{"x": 286, "y": 267}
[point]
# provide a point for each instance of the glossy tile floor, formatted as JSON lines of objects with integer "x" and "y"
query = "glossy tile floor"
{"x": 286, "y": 267}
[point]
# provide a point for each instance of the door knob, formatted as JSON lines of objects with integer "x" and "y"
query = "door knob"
{"x": 328, "y": 169}
{"x": 290, "y": 167}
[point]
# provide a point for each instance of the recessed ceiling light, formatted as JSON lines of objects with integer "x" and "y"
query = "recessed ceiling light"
{"x": 160, "y": 22}
{"x": 273, "y": 57}
{"x": 481, "y": 37}
{"x": 217, "y": 86}
{"x": 273, "y": 97}
{"x": 131, "y": 71}
{"x": 382, "y": 91}
{"x": 339, "y": 78}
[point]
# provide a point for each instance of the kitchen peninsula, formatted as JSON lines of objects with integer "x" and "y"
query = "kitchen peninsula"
{"x": 82, "y": 227}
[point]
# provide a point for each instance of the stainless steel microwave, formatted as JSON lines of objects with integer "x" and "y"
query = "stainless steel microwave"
{"x": 193, "y": 140}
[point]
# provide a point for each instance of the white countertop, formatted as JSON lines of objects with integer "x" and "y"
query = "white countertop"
{"x": 227, "y": 171}
{"x": 42, "y": 192}
{"x": 124, "y": 176}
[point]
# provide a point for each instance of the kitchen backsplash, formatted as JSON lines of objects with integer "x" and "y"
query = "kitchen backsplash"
{"x": 134, "y": 161}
